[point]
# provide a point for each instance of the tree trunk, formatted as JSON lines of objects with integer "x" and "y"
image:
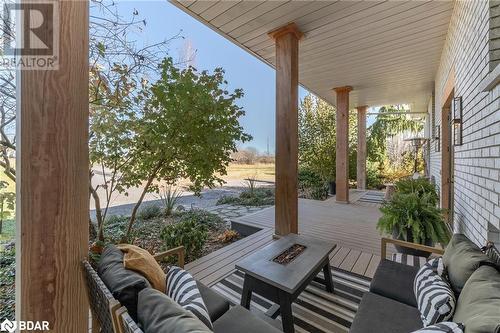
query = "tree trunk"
{"x": 92, "y": 232}
{"x": 98, "y": 213}
{"x": 125, "y": 239}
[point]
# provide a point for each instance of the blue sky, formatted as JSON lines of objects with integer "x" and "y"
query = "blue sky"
{"x": 212, "y": 50}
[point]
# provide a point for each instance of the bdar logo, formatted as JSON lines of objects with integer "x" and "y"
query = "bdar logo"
{"x": 8, "y": 326}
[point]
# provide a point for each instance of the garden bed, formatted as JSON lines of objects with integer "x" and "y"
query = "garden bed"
{"x": 261, "y": 196}
{"x": 202, "y": 232}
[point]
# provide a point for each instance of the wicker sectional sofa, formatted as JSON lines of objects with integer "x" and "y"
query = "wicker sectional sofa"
{"x": 109, "y": 316}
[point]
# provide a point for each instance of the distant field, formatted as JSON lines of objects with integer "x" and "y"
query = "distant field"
{"x": 258, "y": 171}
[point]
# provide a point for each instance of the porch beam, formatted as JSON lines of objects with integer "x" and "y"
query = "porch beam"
{"x": 287, "y": 83}
{"x": 342, "y": 145}
{"x": 53, "y": 210}
{"x": 361, "y": 151}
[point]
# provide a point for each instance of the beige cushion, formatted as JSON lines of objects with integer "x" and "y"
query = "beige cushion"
{"x": 478, "y": 306}
{"x": 141, "y": 261}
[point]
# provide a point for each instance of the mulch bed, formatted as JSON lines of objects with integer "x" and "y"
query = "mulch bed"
{"x": 147, "y": 236}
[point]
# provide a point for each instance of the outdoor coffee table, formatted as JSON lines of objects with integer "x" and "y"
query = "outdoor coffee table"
{"x": 283, "y": 283}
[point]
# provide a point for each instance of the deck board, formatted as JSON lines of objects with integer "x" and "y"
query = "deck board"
{"x": 351, "y": 226}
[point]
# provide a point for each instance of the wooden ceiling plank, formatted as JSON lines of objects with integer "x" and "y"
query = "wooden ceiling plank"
{"x": 219, "y": 8}
{"x": 231, "y": 14}
{"x": 403, "y": 22}
{"x": 370, "y": 54}
{"x": 200, "y": 6}
{"x": 303, "y": 21}
{"x": 387, "y": 66}
{"x": 251, "y": 15}
{"x": 398, "y": 59}
{"x": 410, "y": 29}
{"x": 277, "y": 19}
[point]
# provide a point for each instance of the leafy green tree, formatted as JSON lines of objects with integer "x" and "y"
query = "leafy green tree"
{"x": 388, "y": 124}
{"x": 317, "y": 138}
{"x": 117, "y": 72}
{"x": 7, "y": 202}
{"x": 113, "y": 122}
{"x": 188, "y": 129}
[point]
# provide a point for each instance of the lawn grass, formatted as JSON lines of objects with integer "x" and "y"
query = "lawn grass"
{"x": 257, "y": 171}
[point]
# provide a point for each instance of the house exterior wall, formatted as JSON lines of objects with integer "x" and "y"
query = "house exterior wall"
{"x": 467, "y": 59}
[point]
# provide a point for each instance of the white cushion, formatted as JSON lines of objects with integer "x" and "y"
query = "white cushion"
{"x": 182, "y": 288}
{"x": 435, "y": 298}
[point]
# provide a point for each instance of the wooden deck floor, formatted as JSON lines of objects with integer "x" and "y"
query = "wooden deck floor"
{"x": 351, "y": 226}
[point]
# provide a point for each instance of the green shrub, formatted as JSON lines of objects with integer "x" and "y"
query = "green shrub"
{"x": 114, "y": 227}
{"x": 420, "y": 186}
{"x": 210, "y": 220}
{"x": 7, "y": 280}
{"x": 251, "y": 197}
{"x": 312, "y": 186}
{"x": 411, "y": 214}
{"x": 169, "y": 197}
{"x": 373, "y": 177}
{"x": 189, "y": 233}
{"x": 149, "y": 212}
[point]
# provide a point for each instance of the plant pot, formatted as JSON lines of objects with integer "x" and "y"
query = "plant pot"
{"x": 413, "y": 252}
{"x": 332, "y": 188}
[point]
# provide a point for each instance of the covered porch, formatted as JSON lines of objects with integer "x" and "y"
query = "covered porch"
{"x": 352, "y": 54}
{"x": 352, "y": 227}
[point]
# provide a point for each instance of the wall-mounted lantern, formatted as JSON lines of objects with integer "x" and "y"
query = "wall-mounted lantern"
{"x": 457, "y": 121}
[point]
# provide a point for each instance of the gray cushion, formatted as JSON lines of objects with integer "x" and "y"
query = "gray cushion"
{"x": 240, "y": 320}
{"x": 216, "y": 304}
{"x": 478, "y": 306}
{"x": 123, "y": 283}
{"x": 158, "y": 313}
{"x": 378, "y": 314}
{"x": 395, "y": 281}
{"x": 461, "y": 258}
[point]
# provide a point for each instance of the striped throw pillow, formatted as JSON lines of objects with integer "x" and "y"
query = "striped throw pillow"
{"x": 435, "y": 298}
{"x": 182, "y": 288}
{"x": 444, "y": 327}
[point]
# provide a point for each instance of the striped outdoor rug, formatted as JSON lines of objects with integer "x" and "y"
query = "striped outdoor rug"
{"x": 315, "y": 310}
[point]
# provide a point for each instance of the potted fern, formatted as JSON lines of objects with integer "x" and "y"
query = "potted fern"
{"x": 412, "y": 215}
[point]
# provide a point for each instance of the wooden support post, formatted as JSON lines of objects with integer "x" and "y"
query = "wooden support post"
{"x": 53, "y": 198}
{"x": 342, "y": 145}
{"x": 287, "y": 83}
{"x": 361, "y": 155}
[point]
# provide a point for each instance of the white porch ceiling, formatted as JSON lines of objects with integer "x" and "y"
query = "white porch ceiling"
{"x": 388, "y": 51}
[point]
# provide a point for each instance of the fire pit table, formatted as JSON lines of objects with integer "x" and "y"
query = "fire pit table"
{"x": 282, "y": 270}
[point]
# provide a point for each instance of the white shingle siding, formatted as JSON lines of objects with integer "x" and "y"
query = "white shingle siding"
{"x": 473, "y": 40}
